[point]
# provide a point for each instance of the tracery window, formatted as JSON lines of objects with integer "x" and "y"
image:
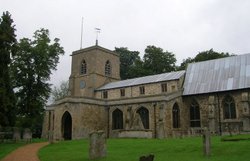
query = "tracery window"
{"x": 144, "y": 114}
{"x": 194, "y": 114}
{"x": 117, "y": 118}
{"x": 176, "y": 116}
{"x": 229, "y": 108}
{"x": 108, "y": 68}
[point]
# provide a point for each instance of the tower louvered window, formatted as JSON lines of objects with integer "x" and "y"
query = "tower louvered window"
{"x": 108, "y": 68}
{"x": 83, "y": 69}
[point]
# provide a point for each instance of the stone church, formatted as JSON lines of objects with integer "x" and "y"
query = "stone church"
{"x": 214, "y": 94}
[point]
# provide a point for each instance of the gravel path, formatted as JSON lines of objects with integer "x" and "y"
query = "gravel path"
{"x": 25, "y": 153}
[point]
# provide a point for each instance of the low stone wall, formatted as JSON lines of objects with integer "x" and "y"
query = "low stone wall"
{"x": 231, "y": 127}
{"x": 135, "y": 134}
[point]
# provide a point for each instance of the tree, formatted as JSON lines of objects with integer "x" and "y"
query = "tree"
{"x": 203, "y": 56}
{"x": 185, "y": 63}
{"x": 61, "y": 91}
{"x": 209, "y": 55}
{"x": 127, "y": 59}
{"x": 7, "y": 46}
{"x": 138, "y": 70}
{"x": 157, "y": 61}
{"x": 32, "y": 66}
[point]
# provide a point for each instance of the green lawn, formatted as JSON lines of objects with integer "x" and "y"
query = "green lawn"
{"x": 188, "y": 149}
{"x": 6, "y": 148}
{"x": 9, "y": 146}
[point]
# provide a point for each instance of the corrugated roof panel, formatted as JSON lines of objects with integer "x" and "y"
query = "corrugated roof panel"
{"x": 227, "y": 63}
{"x": 230, "y": 83}
{"x": 248, "y": 70}
{"x": 217, "y": 65}
{"x": 242, "y": 71}
{"x": 247, "y": 81}
{"x": 236, "y": 82}
{"x": 218, "y": 75}
{"x": 143, "y": 80}
{"x": 248, "y": 60}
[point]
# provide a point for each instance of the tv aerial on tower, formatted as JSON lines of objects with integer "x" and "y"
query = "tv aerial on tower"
{"x": 98, "y": 31}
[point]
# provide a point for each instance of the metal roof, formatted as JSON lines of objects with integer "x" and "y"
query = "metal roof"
{"x": 143, "y": 80}
{"x": 224, "y": 74}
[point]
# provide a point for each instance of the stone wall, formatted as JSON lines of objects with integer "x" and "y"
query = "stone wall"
{"x": 160, "y": 117}
{"x": 183, "y": 124}
{"x": 134, "y": 91}
{"x": 85, "y": 119}
{"x": 95, "y": 58}
{"x": 212, "y": 111}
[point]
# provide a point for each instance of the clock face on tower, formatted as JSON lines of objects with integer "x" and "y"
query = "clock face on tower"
{"x": 82, "y": 84}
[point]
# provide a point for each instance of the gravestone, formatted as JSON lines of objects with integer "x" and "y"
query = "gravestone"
{"x": 147, "y": 158}
{"x": 206, "y": 142}
{"x": 27, "y": 135}
{"x": 160, "y": 134}
{"x": 246, "y": 123}
{"x": 16, "y": 134}
{"x": 97, "y": 147}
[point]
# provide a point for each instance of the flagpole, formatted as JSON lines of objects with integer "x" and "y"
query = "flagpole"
{"x": 81, "y": 33}
{"x": 97, "y": 30}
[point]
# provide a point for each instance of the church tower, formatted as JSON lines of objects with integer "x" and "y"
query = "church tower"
{"x": 91, "y": 68}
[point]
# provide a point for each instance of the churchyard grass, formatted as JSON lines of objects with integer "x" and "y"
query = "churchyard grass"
{"x": 9, "y": 146}
{"x": 186, "y": 149}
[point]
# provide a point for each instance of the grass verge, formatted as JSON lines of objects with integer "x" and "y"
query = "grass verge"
{"x": 9, "y": 146}
{"x": 6, "y": 148}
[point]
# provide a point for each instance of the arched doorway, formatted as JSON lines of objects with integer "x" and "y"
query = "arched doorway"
{"x": 67, "y": 126}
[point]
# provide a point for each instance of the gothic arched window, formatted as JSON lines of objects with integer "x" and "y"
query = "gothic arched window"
{"x": 117, "y": 118}
{"x": 108, "y": 68}
{"x": 144, "y": 114}
{"x": 176, "y": 116}
{"x": 229, "y": 108}
{"x": 83, "y": 69}
{"x": 195, "y": 114}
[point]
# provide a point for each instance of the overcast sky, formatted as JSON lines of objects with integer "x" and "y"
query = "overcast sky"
{"x": 184, "y": 27}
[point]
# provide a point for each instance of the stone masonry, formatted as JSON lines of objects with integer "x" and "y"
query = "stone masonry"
{"x": 87, "y": 109}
